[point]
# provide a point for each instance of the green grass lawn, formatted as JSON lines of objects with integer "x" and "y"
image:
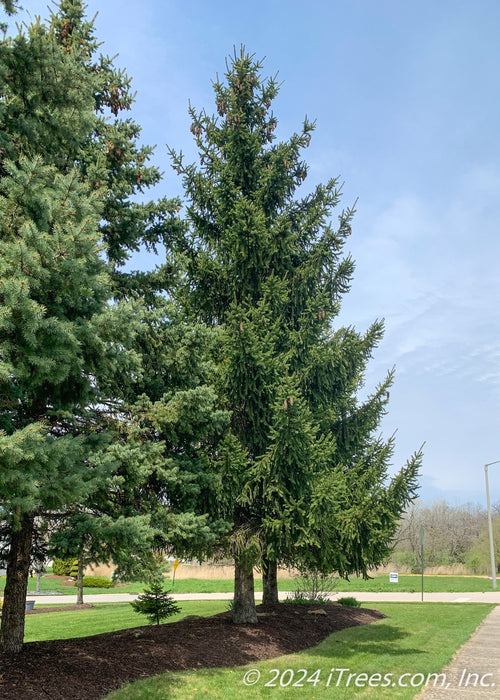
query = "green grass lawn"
{"x": 104, "y": 617}
{"x": 407, "y": 583}
{"x": 415, "y": 638}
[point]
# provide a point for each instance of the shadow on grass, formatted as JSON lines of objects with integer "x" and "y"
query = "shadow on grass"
{"x": 374, "y": 639}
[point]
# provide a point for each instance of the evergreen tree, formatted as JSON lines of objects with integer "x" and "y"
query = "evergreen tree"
{"x": 58, "y": 336}
{"x": 164, "y": 426}
{"x": 178, "y": 420}
{"x": 76, "y": 446}
{"x": 56, "y": 331}
{"x": 116, "y": 164}
{"x": 303, "y": 479}
{"x": 155, "y": 603}
{"x": 159, "y": 484}
{"x": 10, "y": 8}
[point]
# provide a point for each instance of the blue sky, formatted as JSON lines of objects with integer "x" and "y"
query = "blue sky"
{"x": 407, "y": 101}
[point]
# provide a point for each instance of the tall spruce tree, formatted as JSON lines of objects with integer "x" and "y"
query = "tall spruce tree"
{"x": 168, "y": 408}
{"x": 304, "y": 477}
{"x": 78, "y": 446}
{"x": 57, "y": 333}
{"x": 117, "y": 164}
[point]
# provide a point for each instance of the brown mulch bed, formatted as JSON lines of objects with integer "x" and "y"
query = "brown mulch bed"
{"x": 88, "y": 668}
{"x": 58, "y": 608}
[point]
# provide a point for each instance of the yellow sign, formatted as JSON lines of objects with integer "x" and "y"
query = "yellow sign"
{"x": 176, "y": 564}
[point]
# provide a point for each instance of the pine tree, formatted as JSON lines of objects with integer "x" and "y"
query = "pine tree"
{"x": 10, "y": 8}
{"x": 68, "y": 174}
{"x": 117, "y": 164}
{"x": 268, "y": 268}
{"x": 160, "y": 420}
{"x": 158, "y": 459}
{"x": 56, "y": 329}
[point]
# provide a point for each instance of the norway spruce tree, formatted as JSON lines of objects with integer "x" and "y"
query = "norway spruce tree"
{"x": 56, "y": 329}
{"x": 163, "y": 418}
{"x": 160, "y": 421}
{"x": 303, "y": 477}
{"x": 74, "y": 448}
{"x": 155, "y": 603}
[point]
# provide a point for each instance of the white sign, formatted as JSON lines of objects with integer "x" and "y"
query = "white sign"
{"x": 393, "y": 577}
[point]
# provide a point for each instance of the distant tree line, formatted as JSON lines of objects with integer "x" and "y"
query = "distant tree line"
{"x": 452, "y": 535}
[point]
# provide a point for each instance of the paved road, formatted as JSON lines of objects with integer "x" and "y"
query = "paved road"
{"x": 491, "y": 597}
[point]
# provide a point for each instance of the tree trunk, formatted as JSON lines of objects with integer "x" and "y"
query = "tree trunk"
{"x": 79, "y": 581}
{"x": 14, "y": 602}
{"x": 269, "y": 581}
{"x": 244, "y": 611}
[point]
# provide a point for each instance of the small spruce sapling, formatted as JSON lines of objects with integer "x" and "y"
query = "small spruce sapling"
{"x": 155, "y": 603}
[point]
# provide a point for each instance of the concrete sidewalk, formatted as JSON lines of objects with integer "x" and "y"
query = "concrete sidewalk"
{"x": 475, "y": 669}
{"x": 491, "y": 597}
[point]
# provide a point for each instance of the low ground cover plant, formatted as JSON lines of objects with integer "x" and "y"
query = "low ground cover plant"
{"x": 349, "y": 600}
